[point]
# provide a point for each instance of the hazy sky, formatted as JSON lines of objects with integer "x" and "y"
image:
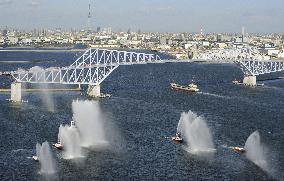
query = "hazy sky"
{"x": 148, "y": 15}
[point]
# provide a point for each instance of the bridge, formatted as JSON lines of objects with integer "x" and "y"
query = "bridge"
{"x": 91, "y": 69}
{"x": 250, "y": 61}
{"x": 95, "y": 65}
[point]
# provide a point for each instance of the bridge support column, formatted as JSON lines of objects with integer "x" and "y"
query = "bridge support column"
{"x": 94, "y": 90}
{"x": 16, "y": 92}
{"x": 250, "y": 80}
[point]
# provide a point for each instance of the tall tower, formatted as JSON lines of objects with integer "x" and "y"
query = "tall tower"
{"x": 201, "y": 31}
{"x": 89, "y": 19}
{"x": 243, "y": 33}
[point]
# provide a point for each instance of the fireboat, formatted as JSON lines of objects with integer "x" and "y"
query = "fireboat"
{"x": 177, "y": 138}
{"x": 59, "y": 145}
{"x": 239, "y": 149}
{"x": 35, "y": 158}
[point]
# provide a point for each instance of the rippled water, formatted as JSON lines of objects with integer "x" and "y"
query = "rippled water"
{"x": 144, "y": 111}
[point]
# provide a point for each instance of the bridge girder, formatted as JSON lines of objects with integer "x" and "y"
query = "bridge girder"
{"x": 248, "y": 59}
{"x": 254, "y": 67}
{"x": 92, "y": 68}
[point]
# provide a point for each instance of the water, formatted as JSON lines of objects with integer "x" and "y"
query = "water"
{"x": 141, "y": 113}
{"x": 195, "y": 132}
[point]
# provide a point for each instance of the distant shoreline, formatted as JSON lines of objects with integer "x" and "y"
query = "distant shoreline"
{"x": 32, "y": 49}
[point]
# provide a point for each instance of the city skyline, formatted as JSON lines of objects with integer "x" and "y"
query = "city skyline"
{"x": 156, "y": 16}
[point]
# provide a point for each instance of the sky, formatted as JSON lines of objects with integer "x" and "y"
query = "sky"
{"x": 266, "y": 16}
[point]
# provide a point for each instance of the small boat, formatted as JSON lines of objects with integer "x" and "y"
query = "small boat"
{"x": 236, "y": 82}
{"x": 189, "y": 88}
{"x": 177, "y": 138}
{"x": 58, "y": 145}
{"x": 239, "y": 149}
{"x": 72, "y": 124}
{"x": 35, "y": 158}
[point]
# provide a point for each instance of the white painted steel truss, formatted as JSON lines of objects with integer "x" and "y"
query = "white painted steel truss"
{"x": 250, "y": 60}
{"x": 254, "y": 67}
{"x": 91, "y": 68}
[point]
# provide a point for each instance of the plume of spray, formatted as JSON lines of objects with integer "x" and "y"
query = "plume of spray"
{"x": 46, "y": 159}
{"x": 256, "y": 152}
{"x": 90, "y": 123}
{"x": 195, "y": 132}
{"x": 46, "y": 96}
{"x": 70, "y": 139}
{"x": 38, "y": 148}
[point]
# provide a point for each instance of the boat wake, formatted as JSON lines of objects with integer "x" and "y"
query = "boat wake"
{"x": 199, "y": 151}
{"x": 14, "y": 61}
{"x": 19, "y": 150}
{"x": 214, "y": 95}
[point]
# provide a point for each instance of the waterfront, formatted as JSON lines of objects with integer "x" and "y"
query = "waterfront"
{"x": 144, "y": 110}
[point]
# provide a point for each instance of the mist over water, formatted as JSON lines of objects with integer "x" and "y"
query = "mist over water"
{"x": 195, "y": 132}
{"x": 47, "y": 162}
{"x": 256, "y": 151}
{"x": 45, "y": 95}
{"x": 90, "y": 123}
{"x": 69, "y": 137}
{"x": 38, "y": 148}
{"x": 89, "y": 131}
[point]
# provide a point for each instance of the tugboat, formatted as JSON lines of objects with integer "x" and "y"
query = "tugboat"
{"x": 72, "y": 124}
{"x": 58, "y": 145}
{"x": 35, "y": 158}
{"x": 177, "y": 138}
{"x": 189, "y": 88}
{"x": 239, "y": 149}
{"x": 236, "y": 82}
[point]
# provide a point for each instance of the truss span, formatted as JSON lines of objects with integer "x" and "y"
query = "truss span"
{"x": 91, "y": 68}
{"x": 254, "y": 67}
{"x": 250, "y": 60}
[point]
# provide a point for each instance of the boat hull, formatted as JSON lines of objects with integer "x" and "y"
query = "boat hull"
{"x": 177, "y": 139}
{"x": 177, "y": 87}
{"x": 184, "y": 89}
{"x": 58, "y": 146}
{"x": 239, "y": 150}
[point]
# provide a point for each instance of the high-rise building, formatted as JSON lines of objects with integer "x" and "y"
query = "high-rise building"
{"x": 219, "y": 38}
{"x": 98, "y": 29}
{"x": 243, "y": 33}
{"x": 109, "y": 30}
{"x": 89, "y": 19}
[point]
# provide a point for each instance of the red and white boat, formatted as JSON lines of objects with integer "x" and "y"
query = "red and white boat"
{"x": 239, "y": 149}
{"x": 177, "y": 138}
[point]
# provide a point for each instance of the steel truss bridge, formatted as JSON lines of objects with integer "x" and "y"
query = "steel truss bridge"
{"x": 250, "y": 61}
{"x": 92, "y": 68}
{"x": 95, "y": 65}
{"x": 254, "y": 67}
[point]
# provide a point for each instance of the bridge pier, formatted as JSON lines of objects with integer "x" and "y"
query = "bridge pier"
{"x": 94, "y": 90}
{"x": 16, "y": 92}
{"x": 250, "y": 80}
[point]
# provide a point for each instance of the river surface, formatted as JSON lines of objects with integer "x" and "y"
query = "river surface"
{"x": 144, "y": 111}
